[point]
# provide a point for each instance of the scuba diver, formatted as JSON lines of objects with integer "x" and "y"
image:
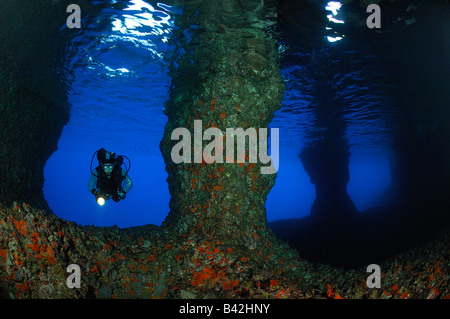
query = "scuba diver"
{"x": 109, "y": 179}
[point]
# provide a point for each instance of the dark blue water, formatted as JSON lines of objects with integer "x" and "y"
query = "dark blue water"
{"x": 117, "y": 94}
{"x": 118, "y": 76}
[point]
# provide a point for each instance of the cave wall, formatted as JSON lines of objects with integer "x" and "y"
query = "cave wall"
{"x": 215, "y": 241}
{"x": 33, "y": 105}
{"x": 151, "y": 262}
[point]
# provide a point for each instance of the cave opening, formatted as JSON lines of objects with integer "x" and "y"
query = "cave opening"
{"x": 366, "y": 130}
{"x": 112, "y": 108}
{"x": 342, "y": 94}
{"x": 118, "y": 83}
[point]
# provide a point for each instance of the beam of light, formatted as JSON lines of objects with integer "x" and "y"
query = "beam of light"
{"x": 333, "y": 7}
{"x": 334, "y": 39}
{"x": 136, "y": 32}
{"x": 101, "y": 201}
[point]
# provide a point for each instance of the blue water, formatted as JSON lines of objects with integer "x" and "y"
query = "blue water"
{"x": 118, "y": 79}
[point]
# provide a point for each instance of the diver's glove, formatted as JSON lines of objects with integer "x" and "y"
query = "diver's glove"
{"x": 93, "y": 191}
{"x": 121, "y": 194}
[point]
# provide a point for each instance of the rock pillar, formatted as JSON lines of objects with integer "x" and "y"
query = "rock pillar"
{"x": 228, "y": 78}
{"x": 327, "y": 166}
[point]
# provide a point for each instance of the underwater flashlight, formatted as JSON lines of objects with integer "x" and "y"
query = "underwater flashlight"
{"x": 101, "y": 201}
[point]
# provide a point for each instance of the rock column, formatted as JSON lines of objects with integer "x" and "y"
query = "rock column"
{"x": 228, "y": 78}
{"x": 327, "y": 165}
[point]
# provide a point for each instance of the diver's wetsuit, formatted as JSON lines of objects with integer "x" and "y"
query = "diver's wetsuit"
{"x": 111, "y": 184}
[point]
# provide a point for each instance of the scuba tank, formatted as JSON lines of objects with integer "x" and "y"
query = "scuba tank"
{"x": 104, "y": 156}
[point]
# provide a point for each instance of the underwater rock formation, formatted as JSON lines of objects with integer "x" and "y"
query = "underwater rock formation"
{"x": 150, "y": 262}
{"x": 229, "y": 78}
{"x": 327, "y": 167}
{"x": 33, "y": 105}
{"x": 217, "y": 225}
{"x": 215, "y": 241}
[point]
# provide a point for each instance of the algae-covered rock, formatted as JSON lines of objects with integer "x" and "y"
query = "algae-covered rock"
{"x": 215, "y": 242}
